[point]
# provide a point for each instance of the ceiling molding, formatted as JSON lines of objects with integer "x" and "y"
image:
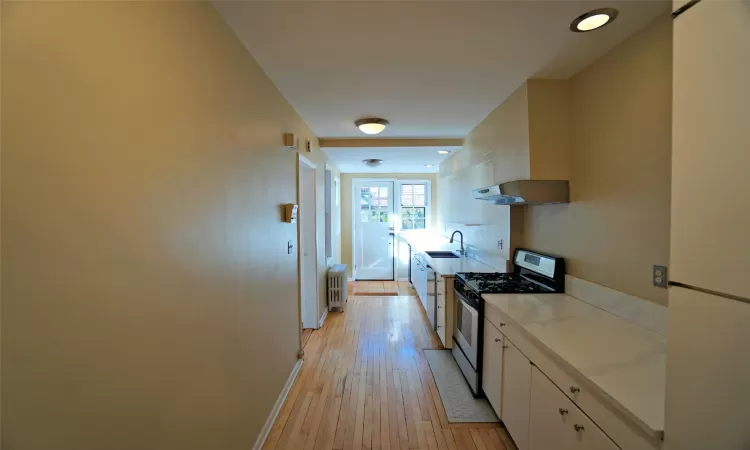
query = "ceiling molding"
{"x": 384, "y": 143}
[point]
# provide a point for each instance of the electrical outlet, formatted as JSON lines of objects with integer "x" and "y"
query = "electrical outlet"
{"x": 660, "y": 276}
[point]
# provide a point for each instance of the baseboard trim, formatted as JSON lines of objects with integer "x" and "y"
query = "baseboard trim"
{"x": 266, "y": 430}
{"x": 323, "y": 319}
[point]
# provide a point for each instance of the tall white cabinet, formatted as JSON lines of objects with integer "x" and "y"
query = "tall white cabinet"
{"x": 710, "y": 233}
{"x": 708, "y": 369}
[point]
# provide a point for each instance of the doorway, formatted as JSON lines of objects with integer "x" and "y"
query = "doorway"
{"x": 307, "y": 244}
{"x": 373, "y": 211}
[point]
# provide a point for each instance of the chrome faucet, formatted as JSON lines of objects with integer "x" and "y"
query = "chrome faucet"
{"x": 462, "y": 251}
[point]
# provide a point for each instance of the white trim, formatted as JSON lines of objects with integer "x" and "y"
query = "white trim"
{"x": 307, "y": 162}
{"x": 403, "y": 279}
{"x": 266, "y": 430}
{"x": 323, "y": 319}
{"x": 310, "y": 164}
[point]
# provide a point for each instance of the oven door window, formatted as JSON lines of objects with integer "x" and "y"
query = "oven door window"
{"x": 464, "y": 322}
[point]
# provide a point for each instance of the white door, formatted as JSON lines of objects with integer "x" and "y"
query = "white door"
{"x": 373, "y": 230}
{"x": 308, "y": 251}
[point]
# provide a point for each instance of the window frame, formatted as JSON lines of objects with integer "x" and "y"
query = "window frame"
{"x": 397, "y": 186}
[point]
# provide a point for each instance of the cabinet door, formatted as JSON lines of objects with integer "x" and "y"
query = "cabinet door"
{"x": 550, "y": 426}
{"x": 516, "y": 394}
{"x": 710, "y": 157}
{"x": 492, "y": 368}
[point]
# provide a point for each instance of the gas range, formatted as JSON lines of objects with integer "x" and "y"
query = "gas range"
{"x": 502, "y": 283}
{"x": 533, "y": 273}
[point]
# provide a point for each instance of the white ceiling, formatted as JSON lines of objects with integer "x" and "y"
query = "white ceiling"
{"x": 432, "y": 68}
{"x": 395, "y": 159}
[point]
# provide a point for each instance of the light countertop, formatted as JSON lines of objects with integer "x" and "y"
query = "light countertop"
{"x": 626, "y": 361}
{"x": 446, "y": 267}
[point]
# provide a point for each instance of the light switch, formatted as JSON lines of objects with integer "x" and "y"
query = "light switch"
{"x": 289, "y": 247}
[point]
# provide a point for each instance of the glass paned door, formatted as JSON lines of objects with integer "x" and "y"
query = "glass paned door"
{"x": 373, "y": 230}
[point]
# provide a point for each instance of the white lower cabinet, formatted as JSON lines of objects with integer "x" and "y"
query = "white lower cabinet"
{"x": 516, "y": 393}
{"x": 556, "y": 423}
{"x": 492, "y": 366}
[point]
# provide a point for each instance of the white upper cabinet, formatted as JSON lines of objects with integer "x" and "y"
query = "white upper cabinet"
{"x": 710, "y": 223}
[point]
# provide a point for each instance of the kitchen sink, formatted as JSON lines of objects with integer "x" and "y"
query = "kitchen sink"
{"x": 441, "y": 254}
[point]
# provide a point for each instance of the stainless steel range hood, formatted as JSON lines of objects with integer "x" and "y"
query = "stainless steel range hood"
{"x": 525, "y": 192}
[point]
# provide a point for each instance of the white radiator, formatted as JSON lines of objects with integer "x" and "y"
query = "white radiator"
{"x": 338, "y": 290}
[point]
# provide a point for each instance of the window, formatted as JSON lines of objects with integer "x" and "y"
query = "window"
{"x": 413, "y": 206}
{"x": 374, "y": 201}
{"x": 329, "y": 196}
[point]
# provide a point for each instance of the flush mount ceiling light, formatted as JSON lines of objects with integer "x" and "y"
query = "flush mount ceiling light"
{"x": 372, "y": 162}
{"x": 444, "y": 152}
{"x": 372, "y": 125}
{"x": 593, "y": 20}
{"x": 429, "y": 165}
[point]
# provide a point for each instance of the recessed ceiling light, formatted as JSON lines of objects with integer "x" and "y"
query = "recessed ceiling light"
{"x": 429, "y": 165}
{"x": 593, "y": 20}
{"x": 372, "y": 162}
{"x": 444, "y": 152}
{"x": 372, "y": 125}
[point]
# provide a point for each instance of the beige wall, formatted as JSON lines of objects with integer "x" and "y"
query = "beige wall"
{"x": 144, "y": 262}
{"x": 617, "y": 224}
{"x": 549, "y": 124}
{"x": 346, "y": 205}
{"x": 495, "y": 151}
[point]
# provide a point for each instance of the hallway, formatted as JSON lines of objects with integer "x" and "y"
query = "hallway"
{"x": 365, "y": 383}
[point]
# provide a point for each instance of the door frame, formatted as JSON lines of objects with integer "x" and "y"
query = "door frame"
{"x": 397, "y": 182}
{"x": 301, "y": 160}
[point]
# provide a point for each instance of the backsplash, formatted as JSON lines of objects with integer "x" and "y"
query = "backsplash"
{"x": 649, "y": 315}
{"x": 477, "y": 239}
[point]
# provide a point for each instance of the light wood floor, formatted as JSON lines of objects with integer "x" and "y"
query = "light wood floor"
{"x": 365, "y": 383}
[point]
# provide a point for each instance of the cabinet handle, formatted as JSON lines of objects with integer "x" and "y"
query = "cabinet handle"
{"x": 578, "y": 427}
{"x": 574, "y": 390}
{"x": 498, "y": 339}
{"x": 562, "y": 411}
{"x": 502, "y": 324}
{"x": 505, "y": 346}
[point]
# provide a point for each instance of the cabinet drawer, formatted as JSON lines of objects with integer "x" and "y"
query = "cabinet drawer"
{"x": 557, "y": 423}
{"x": 620, "y": 428}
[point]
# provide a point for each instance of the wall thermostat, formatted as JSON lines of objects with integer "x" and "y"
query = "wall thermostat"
{"x": 290, "y": 212}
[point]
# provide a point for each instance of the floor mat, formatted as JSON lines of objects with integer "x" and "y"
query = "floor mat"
{"x": 458, "y": 401}
{"x": 376, "y": 294}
